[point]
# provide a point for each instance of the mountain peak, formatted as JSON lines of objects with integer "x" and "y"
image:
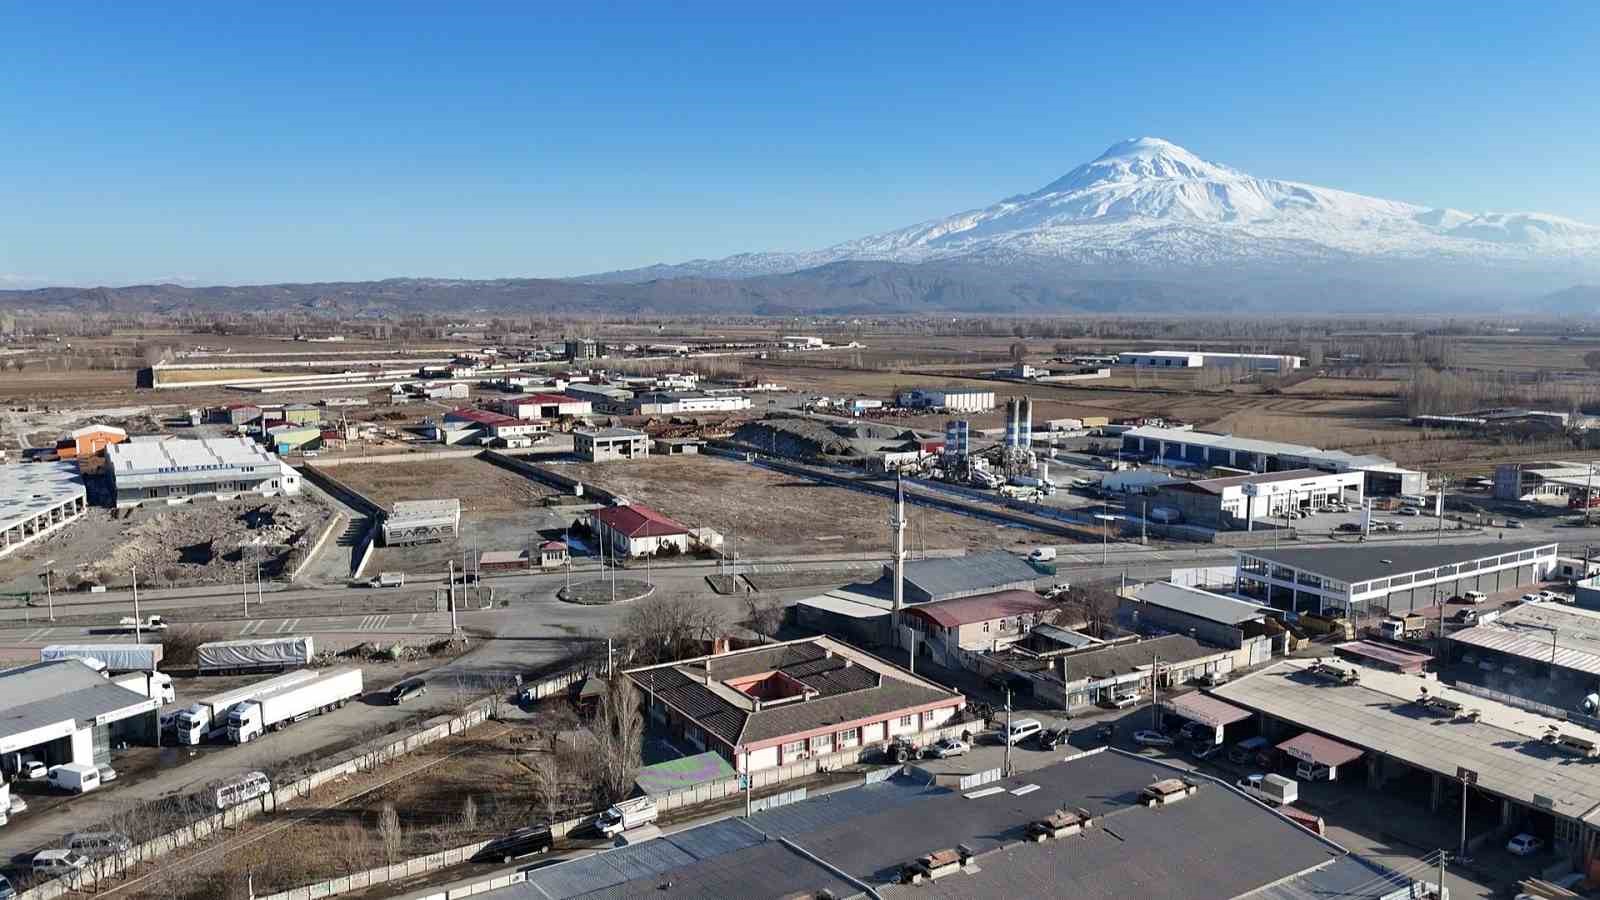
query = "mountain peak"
{"x": 1146, "y": 148}
{"x": 1139, "y": 159}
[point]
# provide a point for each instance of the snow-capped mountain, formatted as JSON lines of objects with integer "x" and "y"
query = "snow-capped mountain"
{"x": 1147, "y": 202}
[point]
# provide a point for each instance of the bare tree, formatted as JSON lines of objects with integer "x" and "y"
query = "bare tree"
{"x": 765, "y": 615}
{"x": 469, "y": 814}
{"x": 662, "y": 629}
{"x": 545, "y": 773}
{"x": 390, "y": 832}
{"x": 619, "y": 737}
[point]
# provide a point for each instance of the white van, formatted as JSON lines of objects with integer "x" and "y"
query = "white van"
{"x": 626, "y": 814}
{"x": 79, "y": 778}
{"x": 247, "y": 787}
{"x": 1021, "y": 730}
{"x": 1474, "y": 597}
{"x": 1043, "y": 554}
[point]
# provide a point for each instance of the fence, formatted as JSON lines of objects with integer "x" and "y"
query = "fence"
{"x": 1543, "y": 709}
{"x": 358, "y": 759}
{"x": 555, "y": 479}
{"x": 317, "y": 474}
{"x": 420, "y": 456}
{"x": 380, "y": 875}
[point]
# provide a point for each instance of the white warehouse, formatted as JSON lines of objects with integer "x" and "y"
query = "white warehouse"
{"x": 1186, "y": 359}
{"x": 955, "y": 399}
{"x": 175, "y": 471}
{"x": 36, "y": 499}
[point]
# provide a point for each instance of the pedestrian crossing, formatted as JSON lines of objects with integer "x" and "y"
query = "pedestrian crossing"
{"x": 39, "y": 634}
{"x": 391, "y": 622}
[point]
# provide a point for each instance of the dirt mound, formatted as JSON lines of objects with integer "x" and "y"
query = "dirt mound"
{"x": 212, "y": 542}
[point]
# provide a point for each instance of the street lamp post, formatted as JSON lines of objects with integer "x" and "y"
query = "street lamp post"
{"x": 1468, "y": 778}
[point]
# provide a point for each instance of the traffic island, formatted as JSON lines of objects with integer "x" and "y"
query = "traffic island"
{"x": 601, "y": 591}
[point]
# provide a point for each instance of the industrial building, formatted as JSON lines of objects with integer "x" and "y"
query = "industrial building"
{"x": 543, "y": 406}
{"x": 984, "y": 623}
{"x": 1546, "y": 652}
{"x": 1239, "y": 501}
{"x": 1395, "y": 578}
{"x": 603, "y": 398}
{"x": 954, "y": 399}
{"x": 666, "y": 403}
{"x": 947, "y": 578}
{"x": 236, "y": 414}
{"x": 1529, "y": 771}
{"x": 480, "y": 426}
{"x": 603, "y": 444}
{"x": 1555, "y": 481}
{"x": 580, "y": 349}
{"x": 777, "y": 704}
{"x": 1182, "y": 447}
{"x": 1099, "y": 840}
{"x": 1213, "y": 618}
{"x": 632, "y": 531}
{"x": 421, "y": 522}
{"x": 175, "y": 471}
{"x": 1097, "y": 674}
{"x": 1185, "y": 359}
{"x": 36, "y": 499}
{"x": 66, "y": 712}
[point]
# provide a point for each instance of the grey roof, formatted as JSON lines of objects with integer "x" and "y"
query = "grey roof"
{"x": 611, "y": 433}
{"x": 1191, "y": 849}
{"x": 1202, "y": 604}
{"x": 1346, "y": 878}
{"x": 1124, "y": 659}
{"x": 846, "y": 690}
{"x": 49, "y": 693}
{"x": 973, "y": 573}
{"x": 28, "y": 489}
{"x": 866, "y": 833}
{"x": 1360, "y": 562}
{"x": 1216, "y": 485}
{"x": 1065, "y": 636}
{"x": 1547, "y": 632}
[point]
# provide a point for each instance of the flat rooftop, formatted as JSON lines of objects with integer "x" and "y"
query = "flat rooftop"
{"x": 1363, "y": 562}
{"x": 1199, "y": 603}
{"x": 28, "y": 489}
{"x": 49, "y": 693}
{"x": 1381, "y": 714}
{"x": 192, "y": 459}
{"x": 611, "y": 434}
{"x": 406, "y": 510}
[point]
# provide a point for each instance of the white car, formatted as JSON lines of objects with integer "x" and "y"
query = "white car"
{"x": 33, "y": 770}
{"x": 18, "y": 805}
{"x": 107, "y": 773}
{"x": 1524, "y": 845}
{"x": 1151, "y": 739}
{"x": 948, "y": 748}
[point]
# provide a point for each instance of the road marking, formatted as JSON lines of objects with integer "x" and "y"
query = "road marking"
{"x": 287, "y": 625}
{"x": 35, "y": 634}
{"x": 413, "y": 622}
{"x": 251, "y": 627}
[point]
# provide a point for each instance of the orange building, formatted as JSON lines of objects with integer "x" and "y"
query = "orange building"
{"x": 89, "y": 443}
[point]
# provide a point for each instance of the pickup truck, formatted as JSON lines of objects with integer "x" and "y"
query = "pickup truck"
{"x": 154, "y": 623}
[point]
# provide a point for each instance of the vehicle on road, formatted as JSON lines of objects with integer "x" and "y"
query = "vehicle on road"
{"x": 1151, "y": 739}
{"x": 388, "y": 579}
{"x": 1474, "y": 597}
{"x": 1123, "y": 701}
{"x": 7, "y": 892}
{"x": 278, "y": 710}
{"x": 626, "y": 814}
{"x": 52, "y": 863}
{"x": 1213, "y": 679}
{"x": 1524, "y": 844}
{"x": 1410, "y": 511}
{"x": 1051, "y": 738}
{"x": 106, "y": 773}
{"x": 255, "y": 655}
{"x": 948, "y": 748}
{"x": 98, "y": 844}
{"x": 246, "y": 787}
{"x": 1514, "y": 523}
{"x": 1020, "y": 730}
{"x": 522, "y": 842}
{"x": 1043, "y": 554}
{"x": 1203, "y": 751}
{"x": 409, "y": 689}
{"x": 208, "y": 718}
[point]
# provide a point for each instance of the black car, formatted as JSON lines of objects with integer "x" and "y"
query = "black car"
{"x": 517, "y": 844}
{"x": 406, "y": 690}
{"x": 1051, "y": 738}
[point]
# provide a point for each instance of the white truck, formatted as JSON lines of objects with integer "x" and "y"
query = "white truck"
{"x": 154, "y": 623}
{"x": 1273, "y": 790}
{"x": 79, "y": 778}
{"x": 388, "y": 579}
{"x": 114, "y": 657}
{"x": 281, "y": 708}
{"x": 627, "y": 814}
{"x": 209, "y": 717}
{"x": 155, "y": 685}
{"x": 255, "y": 655}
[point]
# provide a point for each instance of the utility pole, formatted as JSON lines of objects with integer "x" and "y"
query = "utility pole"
{"x": 1155, "y": 692}
{"x": 138, "y": 637}
{"x": 1444, "y": 482}
{"x": 451, "y": 587}
{"x": 897, "y": 521}
{"x": 244, "y": 590}
{"x": 1006, "y": 771}
{"x": 1468, "y": 778}
{"x": 50, "y": 599}
{"x": 1439, "y": 888}
{"x": 1588, "y": 493}
{"x": 1144, "y": 521}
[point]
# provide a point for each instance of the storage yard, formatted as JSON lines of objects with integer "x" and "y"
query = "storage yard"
{"x": 769, "y": 512}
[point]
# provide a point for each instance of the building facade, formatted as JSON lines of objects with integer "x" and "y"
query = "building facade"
{"x": 36, "y": 499}
{"x": 1234, "y": 502}
{"x": 177, "y": 470}
{"x": 1181, "y": 447}
{"x": 604, "y": 444}
{"x": 954, "y": 399}
{"x": 633, "y": 531}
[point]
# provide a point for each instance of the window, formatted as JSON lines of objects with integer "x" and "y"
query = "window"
{"x": 822, "y": 743}
{"x": 906, "y": 721}
{"x": 793, "y": 749}
{"x": 848, "y": 738}
{"x": 986, "y": 626}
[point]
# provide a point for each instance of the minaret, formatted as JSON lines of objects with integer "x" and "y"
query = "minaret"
{"x": 898, "y": 523}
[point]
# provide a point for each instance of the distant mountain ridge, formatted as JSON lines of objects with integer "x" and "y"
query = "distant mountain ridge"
{"x": 1145, "y": 228}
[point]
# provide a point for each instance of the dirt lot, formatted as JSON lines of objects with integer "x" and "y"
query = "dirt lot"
{"x": 770, "y": 513}
{"x": 483, "y": 488}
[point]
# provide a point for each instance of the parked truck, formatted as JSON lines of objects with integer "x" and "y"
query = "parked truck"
{"x": 113, "y": 657}
{"x": 388, "y": 579}
{"x": 1397, "y": 628}
{"x": 281, "y": 708}
{"x": 155, "y": 685}
{"x": 209, "y": 717}
{"x": 626, "y": 814}
{"x": 261, "y": 655}
{"x": 1273, "y": 790}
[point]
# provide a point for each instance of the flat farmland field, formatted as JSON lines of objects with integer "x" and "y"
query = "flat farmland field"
{"x": 483, "y": 488}
{"x": 773, "y": 513}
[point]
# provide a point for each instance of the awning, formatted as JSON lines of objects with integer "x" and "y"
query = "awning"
{"x": 1384, "y": 654}
{"x": 1206, "y": 710}
{"x": 1315, "y": 748}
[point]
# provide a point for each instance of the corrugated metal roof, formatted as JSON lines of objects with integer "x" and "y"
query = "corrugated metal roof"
{"x": 1535, "y": 646}
{"x": 1206, "y": 709}
{"x": 1199, "y": 603}
{"x": 975, "y": 572}
{"x": 1324, "y": 750}
{"x": 49, "y": 693}
{"x": 1363, "y": 562}
{"x": 28, "y": 489}
{"x": 639, "y": 521}
{"x": 982, "y": 608}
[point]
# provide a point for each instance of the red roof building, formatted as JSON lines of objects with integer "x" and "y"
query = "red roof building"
{"x": 638, "y": 531}
{"x": 981, "y": 622}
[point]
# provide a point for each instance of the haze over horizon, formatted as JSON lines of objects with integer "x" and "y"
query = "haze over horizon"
{"x": 297, "y": 144}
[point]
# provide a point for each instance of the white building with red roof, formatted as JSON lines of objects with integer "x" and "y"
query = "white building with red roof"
{"x": 638, "y": 531}
{"x": 544, "y": 406}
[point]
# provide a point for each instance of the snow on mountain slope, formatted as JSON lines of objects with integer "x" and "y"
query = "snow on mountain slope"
{"x": 1149, "y": 202}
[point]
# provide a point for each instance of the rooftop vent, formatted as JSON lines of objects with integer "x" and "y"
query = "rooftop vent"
{"x": 931, "y": 866}
{"x": 1166, "y": 791}
{"x": 1059, "y": 824}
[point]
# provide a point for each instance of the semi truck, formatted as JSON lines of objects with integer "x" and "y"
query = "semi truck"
{"x": 155, "y": 685}
{"x": 258, "y": 655}
{"x": 209, "y": 716}
{"x": 281, "y": 708}
{"x": 115, "y": 657}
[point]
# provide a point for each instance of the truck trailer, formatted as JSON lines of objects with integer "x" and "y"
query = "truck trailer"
{"x": 281, "y": 708}
{"x": 155, "y": 685}
{"x": 116, "y": 657}
{"x": 259, "y": 655}
{"x": 209, "y": 716}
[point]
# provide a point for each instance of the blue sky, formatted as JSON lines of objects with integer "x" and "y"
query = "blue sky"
{"x": 242, "y": 143}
